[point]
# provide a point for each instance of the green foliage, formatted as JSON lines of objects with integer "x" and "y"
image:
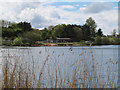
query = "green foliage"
{"x": 0, "y": 40}
{"x": 7, "y": 32}
{"x": 44, "y": 35}
{"x": 91, "y": 23}
{"x": 31, "y": 36}
{"x": 98, "y": 40}
{"x": 111, "y": 40}
{"x": 86, "y": 32}
{"x": 13, "y": 26}
{"x": 116, "y": 40}
{"x": 50, "y": 27}
{"x": 18, "y": 41}
{"x": 77, "y": 33}
{"x": 11, "y": 31}
{"x": 25, "y": 26}
{"x": 68, "y": 31}
{"x": 114, "y": 33}
{"x": 60, "y": 31}
{"x": 99, "y": 32}
{"x": 105, "y": 40}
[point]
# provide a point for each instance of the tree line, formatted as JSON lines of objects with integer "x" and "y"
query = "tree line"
{"x": 23, "y": 32}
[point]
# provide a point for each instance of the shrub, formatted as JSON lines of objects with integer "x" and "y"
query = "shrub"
{"x": 18, "y": 41}
{"x": 98, "y": 40}
{"x": 31, "y": 37}
{"x": 105, "y": 40}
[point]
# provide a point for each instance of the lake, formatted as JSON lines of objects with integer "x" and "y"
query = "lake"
{"x": 91, "y": 66}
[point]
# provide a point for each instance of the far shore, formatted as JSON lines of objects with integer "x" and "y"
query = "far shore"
{"x": 58, "y": 45}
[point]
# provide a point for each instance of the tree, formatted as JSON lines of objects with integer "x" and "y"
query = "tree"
{"x": 86, "y": 32}
{"x": 98, "y": 40}
{"x": 99, "y": 32}
{"x": 91, "y": 23}
{"x": 50, "y": 27}
{"x": 7, "y": 32}
{"x": 11, "y": 31}
{"x": 31, "y": 36}
{"x": 18, "y": 41}
{"x": 114, "y": 33}
{"x": 5, "y": 23}
{"x": 105, "y": 40}
{"x": 44, "y": 35}
{"x": 25, "y": 26}
{"x": 78, "y": 34}
{"x": 60, "y": 31}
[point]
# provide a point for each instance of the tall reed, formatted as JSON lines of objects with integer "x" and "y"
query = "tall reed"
{"x": 17, "y": 74}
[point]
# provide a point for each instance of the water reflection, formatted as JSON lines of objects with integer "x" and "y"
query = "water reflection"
{"x": 95, "y": 66}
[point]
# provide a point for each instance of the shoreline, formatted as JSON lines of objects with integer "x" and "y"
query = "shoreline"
{"x": 62, "y": 46}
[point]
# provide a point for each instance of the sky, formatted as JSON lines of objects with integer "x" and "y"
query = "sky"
{"x": 43, "y": 13}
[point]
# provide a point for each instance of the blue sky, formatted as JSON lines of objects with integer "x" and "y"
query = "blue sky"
{"x": 77, "y": 5}
{"x": 43, "y": 14}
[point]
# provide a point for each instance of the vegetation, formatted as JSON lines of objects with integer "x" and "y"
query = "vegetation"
{"x": 78, "y": 33}
{"x": 18, "y": 72}
{"x": 18, "y": 41}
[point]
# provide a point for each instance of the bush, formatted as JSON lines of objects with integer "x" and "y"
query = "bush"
{"x": 117, "y": 40}
{"x": 18, "y": 41}
{"x": 105, "y": 40}
{"x": 0, "y": 40}
{"x": 98, "y": 40}
{"x": 31, "y": 37}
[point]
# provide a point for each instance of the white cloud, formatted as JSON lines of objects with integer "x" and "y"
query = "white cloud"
{"x": 116, "y": 7}
{"x": 84, "y": 5}
{"x": 43, "y": 16}
{"x": 40, "y": 16}
{"x": 58, "y": 1}
{"x": 27, "y": 14}
{"x": 77, "y": 5}
{"x": 83, "y": 8}
{"x": 67, "y": 7}
{"x": 23, "y": 0}
{"x": 97, "y": 7}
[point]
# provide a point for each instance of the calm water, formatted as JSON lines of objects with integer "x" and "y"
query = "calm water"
{"x": 98, "y": 62}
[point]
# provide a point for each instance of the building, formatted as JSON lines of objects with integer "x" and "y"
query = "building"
{"x": 63, "y": 40}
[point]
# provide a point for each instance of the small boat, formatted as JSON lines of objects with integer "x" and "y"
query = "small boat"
{"x": 36, "y": 45}
{"x": 50, "y": 44}
{"x": 53, "y": 44}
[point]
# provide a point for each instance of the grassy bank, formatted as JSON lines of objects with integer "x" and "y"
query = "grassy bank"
{"x": 59, "y": 44}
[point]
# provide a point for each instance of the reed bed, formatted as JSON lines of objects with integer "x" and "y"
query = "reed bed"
{"x": 21, "y": 72}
